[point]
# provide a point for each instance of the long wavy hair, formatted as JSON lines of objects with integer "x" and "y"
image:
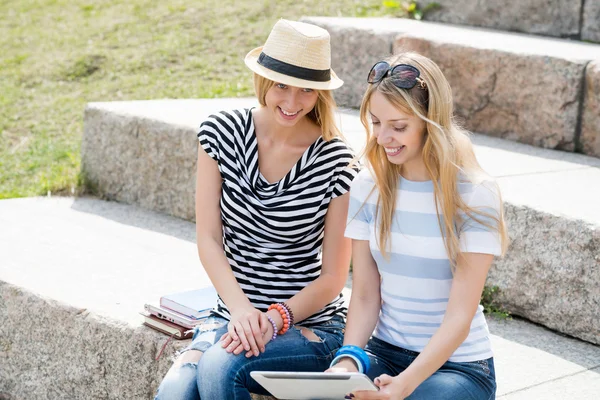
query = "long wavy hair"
{"x": 447, "y": 152}
{"x": 323, "y": 113}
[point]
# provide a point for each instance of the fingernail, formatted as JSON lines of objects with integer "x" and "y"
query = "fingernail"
{"x": 263, "y": 349}
{"x": 377, "y": 381}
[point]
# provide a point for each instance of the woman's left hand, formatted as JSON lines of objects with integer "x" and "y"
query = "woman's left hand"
{"x": 236, "y": 347}
{"x": 390, "y": 388}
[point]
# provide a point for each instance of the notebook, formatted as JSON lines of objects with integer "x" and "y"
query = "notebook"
{"x": 195, "y": 304}
{"x": 166, "y": 327}
{"x": 172, "y": 316}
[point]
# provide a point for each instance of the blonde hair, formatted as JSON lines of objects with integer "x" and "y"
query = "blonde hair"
{"x": 447, "y": 152}
{"x": 323, "y": 113}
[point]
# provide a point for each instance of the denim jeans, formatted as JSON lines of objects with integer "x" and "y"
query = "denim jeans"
{"x": 474, "y": 380}
{"x": 220, "y": 375}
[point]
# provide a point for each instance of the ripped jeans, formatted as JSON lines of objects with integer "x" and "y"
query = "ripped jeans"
{"x": 221, "y": 375}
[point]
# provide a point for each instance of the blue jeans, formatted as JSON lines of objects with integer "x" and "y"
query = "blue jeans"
{"x": 221, "y": 375}
{"x": 474, "y": 380}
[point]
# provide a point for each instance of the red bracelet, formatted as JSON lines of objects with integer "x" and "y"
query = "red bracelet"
{"x": 284, "y": 316}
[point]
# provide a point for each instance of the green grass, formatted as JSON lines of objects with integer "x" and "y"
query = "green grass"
{"x": 490, "y": 303}
{"x": 57, "y": 55}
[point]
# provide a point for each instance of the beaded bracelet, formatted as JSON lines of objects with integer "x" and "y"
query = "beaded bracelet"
{"x": 292, "y": 319}
{"x": 274, "y": 327}
{"x": 287, "y": 315}
{"x": 284, "y": 316}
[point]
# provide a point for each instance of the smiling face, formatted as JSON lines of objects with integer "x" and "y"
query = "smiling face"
{"x": 402, "y": 135}
{"x": 289, "y": 104}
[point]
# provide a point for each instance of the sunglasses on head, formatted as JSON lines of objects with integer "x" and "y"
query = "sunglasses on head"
{"x": 403, "y": 76}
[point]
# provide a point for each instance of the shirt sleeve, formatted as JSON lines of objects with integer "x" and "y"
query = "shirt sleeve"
{"x": 208, "y": 136}
{"x": 360, "y": 210}
{"x": 478, "y": 233}
{"x": 344, "y": 177}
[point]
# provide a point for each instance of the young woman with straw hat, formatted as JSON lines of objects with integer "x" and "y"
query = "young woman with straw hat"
{"x": 271, "y": 207}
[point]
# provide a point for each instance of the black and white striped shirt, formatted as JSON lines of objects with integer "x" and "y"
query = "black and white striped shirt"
{"x": 273, "y": 233}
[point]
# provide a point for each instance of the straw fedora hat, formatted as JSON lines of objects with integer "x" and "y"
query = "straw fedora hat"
{"x": 296, "y": 54}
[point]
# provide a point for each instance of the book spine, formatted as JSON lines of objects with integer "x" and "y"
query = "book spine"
{"x": 171, "y": 305}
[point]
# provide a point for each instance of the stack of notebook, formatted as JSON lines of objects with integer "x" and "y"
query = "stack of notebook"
{"x": 177, "y": 314}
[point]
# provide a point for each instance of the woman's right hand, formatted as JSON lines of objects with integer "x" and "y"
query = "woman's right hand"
{"x": 248, "y": 325}
{"x": 344, "y": 365}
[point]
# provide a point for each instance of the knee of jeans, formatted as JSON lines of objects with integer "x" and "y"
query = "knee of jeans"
{"x": 179, "y": 383}
{"x": 216, "y": 364}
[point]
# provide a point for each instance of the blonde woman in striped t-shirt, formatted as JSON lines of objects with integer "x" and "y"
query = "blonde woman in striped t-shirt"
{"x": 271, "y": 204}
{"x": 426, "y": 222}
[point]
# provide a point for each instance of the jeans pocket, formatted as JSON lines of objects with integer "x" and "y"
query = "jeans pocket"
{"x": 482, "y": 365}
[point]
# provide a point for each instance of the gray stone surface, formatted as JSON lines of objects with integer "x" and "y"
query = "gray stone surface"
{"x": 522, "y": 349}
{"x": 590, "y": 29}
{"x": 513, "y": 86}
{"x": 578, "y": 386}
{"x": 551, "y": 18}
{"x": 120, "y": 152}
{"x": 590, "y": 123}
{"x": 551, "y": 272}
{"x": 353, "y": 55}
{"x": 530, "y": 99}
{"x": 51, "y": 350}
{"x": 552, "y": 211}
{"x": 69, "y": 309}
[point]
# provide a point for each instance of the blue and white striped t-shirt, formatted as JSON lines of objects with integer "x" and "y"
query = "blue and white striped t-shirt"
{"x": 416, "y": 278}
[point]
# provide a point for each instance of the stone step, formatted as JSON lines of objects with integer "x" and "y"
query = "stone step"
{"x": 144, "y": 152}
{"x": 560, "y": 18}
{"x": 540, "y": 91}
{"x": 70, "y": 308}
{"x": 76, "y": 271}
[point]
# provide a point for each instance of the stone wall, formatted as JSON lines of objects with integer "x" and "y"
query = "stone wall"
{"x": 558, "y": 18}
{"x": 590, "y": 29}
{"x": 590, "y": 124}
{"x": 118, "y": 166}
{"x": 526, "y": 89}
{"x": 551, "y": 272}
{"x": 55, "y": 351}
{"x": 527, "y": 98}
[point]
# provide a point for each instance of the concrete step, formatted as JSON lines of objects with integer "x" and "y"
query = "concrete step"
{"x": 560, "y": 18}
{"x": 74, "y": 275}
{"x": 530, "y": 89}
{"x": 76, "y": 271}
{"x": 145, "y": 152}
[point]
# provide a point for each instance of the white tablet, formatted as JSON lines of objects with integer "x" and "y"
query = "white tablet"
{"x": 312, "y": 385}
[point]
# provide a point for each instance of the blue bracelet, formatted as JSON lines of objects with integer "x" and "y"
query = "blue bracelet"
{"x": 357, "y": 354}
{"x": 356, "y": 361}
